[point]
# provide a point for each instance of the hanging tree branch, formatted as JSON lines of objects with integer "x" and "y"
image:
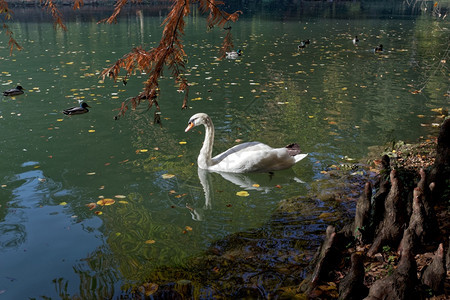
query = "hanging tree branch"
{"x": 4, "y": 10}
{"x": 169, "y": 53}
{"x": 56, "y": 14}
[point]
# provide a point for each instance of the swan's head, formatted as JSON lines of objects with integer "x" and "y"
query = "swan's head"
{"x": 198, "y": 119}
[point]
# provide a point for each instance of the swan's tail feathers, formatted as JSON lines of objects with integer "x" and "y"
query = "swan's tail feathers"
{"x": 293, "y": 149}
{"x": 299, "y": 157}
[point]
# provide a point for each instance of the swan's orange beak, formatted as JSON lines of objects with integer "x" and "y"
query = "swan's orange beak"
{"x": 189, "y": 127}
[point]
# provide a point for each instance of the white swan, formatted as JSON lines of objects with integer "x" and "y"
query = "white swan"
{"x": 242, "y": 158}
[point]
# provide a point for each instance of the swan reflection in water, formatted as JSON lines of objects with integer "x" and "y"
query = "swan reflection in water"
{"x": 262, "y": 182}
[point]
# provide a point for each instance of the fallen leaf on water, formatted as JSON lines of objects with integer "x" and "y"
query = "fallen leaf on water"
{"x": 98, "y": 213}
{"x": 63, "y": 203}
{"x": 181, "y": 195}
{"x": 149, "y": 289}
{"x": 106, "y": 201}
{"x": 416, "y": 92}
{"x": 325, "y": 215}
{"x": 255, "y": 185}
{"x": 90, "y": 173}
{"x": 143, "y": 150}
{"x": 149, "y": 242}
{"x": 120, "y": 196}
{"x": 243, "y": 194}
{"x": 182, "y": 143}
{"x": 91, "y": 130}
{"x": 439, "y": 110}
{"x": 167, "y": 176}
{"x": 91, "y": 205}
{"x": 278, "y": 186}
{"x": 123, "y": 202}
{"x": 188, "y": 228}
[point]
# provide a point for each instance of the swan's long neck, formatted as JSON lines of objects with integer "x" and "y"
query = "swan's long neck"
{"x": 204, "y": 158}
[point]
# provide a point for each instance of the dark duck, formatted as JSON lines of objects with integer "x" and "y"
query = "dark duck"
{"x": 14, "y": 92}
{"x": 378, "y": 48}
{"x": 77, "y": 110}
{"x": 303, "y": 44}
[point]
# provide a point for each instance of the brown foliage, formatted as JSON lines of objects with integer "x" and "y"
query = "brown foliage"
{"x": 4, "y": 9}
{"x": 78, "y": 4}
{"x": 169, "y": 53}
{"x": 54, "y": 11}
{"x": 11, "y": 42}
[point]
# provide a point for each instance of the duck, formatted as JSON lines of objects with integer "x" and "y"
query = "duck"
{"x": 77, "y": 110}
{"x": 247, "y": 157}
{"x": 378, "y": 48}
{"x": 234, "y": 54}
{"x": 355, "y": 40}
{"x": 303, "y": 44}
{"x": 19, "y": 90}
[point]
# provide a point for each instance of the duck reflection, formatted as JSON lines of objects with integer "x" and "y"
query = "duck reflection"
{"x": 262, "y": 182}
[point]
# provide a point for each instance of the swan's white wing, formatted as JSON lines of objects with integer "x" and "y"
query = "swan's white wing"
{"x": 252, "y": 157}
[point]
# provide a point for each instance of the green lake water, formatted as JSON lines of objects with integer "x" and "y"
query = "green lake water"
{"x": 333, "y": 98}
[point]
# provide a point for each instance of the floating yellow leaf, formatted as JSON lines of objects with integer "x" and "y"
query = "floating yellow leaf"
{"x": 69, "y": 63}
{"x": 143, "y": 150}
{"x": 167, "y": 176}
{"x": 243, "y": 194}
{"x": 344, "y": 88}
{"x": 60, "y": 120}
{"x": 182, "y": 143}
{"x": 149, "y": 242}
{"x": 91, "y": 130}
{"x": 63, "y": 203}
{"x": 90, "y": 173}
{"x": 120, "y": 196}
{"x": 188, "y": 228}
{"x": 106, "y": 201}
{"x": 255, "y": 185}
{"x": 98, "y": 213}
